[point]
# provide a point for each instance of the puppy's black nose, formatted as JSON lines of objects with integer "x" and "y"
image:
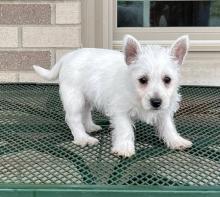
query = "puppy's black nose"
{"x": 156, "y": 102}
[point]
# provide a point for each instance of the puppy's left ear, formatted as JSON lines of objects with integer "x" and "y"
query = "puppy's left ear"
{"x": 180, "y": 48}
{"x": 131, "y": 49}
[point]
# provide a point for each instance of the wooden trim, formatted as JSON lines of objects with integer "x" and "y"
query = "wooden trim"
{"x": 195, "y": 45}
{"x": 97, "y": 23}
{"x": 107, "y": 23}
{"x": 169, "y": 29}
{"x": 203, "y": 35}
{"x": 88, "y": 23}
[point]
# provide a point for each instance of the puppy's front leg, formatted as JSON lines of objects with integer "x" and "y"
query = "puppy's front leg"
{"x": 167, "y": 132}
{"x": 122, "y": 136}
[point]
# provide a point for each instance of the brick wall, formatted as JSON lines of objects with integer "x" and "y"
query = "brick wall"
{"x": 36, "y": 32}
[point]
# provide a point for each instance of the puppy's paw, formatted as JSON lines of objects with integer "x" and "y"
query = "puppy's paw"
{"x": 179, "y": 143}
{"x": 85, "y": 140}
{"x": 124, "y": 149}
{"x": 92, "y": 128}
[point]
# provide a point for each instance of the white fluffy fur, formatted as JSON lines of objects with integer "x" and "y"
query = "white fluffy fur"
{"x": 108, "y": 80}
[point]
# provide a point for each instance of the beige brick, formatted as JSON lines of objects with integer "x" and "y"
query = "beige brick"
{"x": 23, "y": 60}
{"x": 51, "y": 36}
{"x": 8, "y": 76}
{"x": 61, "y": 52}
{"x": 23, "y": 14}
{"x": 31, "y": 76}
{"x": 68, "y": 13}
{"x": 8, "y": 37}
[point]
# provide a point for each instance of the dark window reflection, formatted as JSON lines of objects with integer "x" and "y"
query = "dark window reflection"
{"x": 168, "y": 13}
{"x": 130, "y": 14}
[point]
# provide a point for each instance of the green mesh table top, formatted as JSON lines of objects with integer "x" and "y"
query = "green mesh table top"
{"x": 37, "y": 150}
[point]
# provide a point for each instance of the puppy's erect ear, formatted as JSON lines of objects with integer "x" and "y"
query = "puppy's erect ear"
{"x": 132, "y": 49}
{"x": 180, "y": 48}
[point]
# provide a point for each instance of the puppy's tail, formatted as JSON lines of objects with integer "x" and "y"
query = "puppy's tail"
{"x": 48, "y": 74}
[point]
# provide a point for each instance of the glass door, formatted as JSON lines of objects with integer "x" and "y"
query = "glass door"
{"x": 161, "y": 21}
{"x": 145, "y": 13}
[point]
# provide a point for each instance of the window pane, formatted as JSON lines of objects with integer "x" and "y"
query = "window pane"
{"x": 146, "y": 13}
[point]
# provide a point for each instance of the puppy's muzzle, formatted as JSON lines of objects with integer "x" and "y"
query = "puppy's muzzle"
{"x": 155, "y": 102}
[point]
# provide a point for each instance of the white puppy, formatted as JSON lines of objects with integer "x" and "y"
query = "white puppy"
{"x": 140, "y": 83}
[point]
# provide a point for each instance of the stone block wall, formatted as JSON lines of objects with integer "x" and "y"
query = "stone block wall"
{"x": 36, "y": 32}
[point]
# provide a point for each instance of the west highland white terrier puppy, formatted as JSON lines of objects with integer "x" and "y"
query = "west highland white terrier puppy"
{"x": 140, "y": 83}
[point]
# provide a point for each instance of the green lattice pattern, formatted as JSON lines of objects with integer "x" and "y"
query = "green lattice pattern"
{"x": 36, "y": 145}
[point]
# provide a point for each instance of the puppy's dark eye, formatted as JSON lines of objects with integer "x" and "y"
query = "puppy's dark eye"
{"x": 143, "y": 80}
{"x": 167, "y": 80}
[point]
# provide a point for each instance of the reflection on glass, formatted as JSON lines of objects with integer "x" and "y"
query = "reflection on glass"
{"x": 146, "y": 13}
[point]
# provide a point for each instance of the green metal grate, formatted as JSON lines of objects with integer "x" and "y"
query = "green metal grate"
{"x": 36, "y": 145}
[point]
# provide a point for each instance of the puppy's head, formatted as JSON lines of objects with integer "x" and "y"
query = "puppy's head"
{"x": 154, "y": 71}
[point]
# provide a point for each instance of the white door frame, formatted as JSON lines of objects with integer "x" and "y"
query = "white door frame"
{"x": 99, "y": 29}
{"x": 97, "y": 16}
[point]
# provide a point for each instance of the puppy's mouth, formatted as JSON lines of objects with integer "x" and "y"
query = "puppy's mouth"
{"x": 160, "y": 108}
{"x": 156, "y": 108}
{"x": 153, "y": 109}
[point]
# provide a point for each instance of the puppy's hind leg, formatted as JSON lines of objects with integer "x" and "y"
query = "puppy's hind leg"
{"x": 90, "y": 126}
{"x": 74, "y": 103}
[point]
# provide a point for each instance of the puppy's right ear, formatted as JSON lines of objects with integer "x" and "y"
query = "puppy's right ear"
{"x": 131, "y": 49}
{"x": 179, "y": 49}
